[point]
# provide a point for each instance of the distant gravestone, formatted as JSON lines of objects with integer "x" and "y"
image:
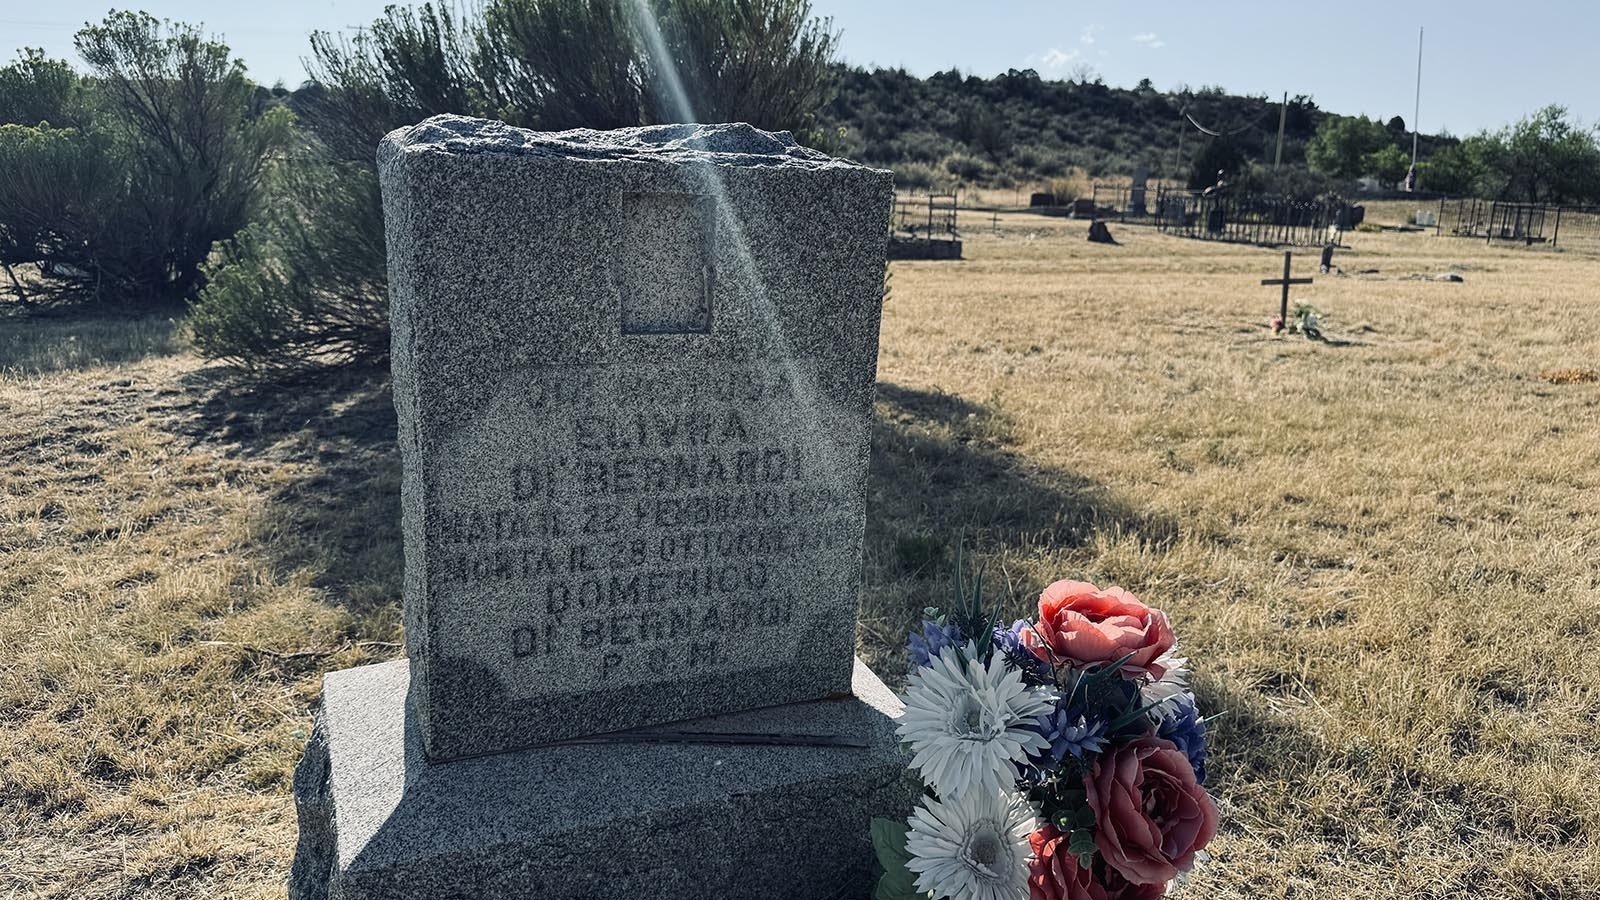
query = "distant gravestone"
{"x": 1137, "y": 190}
{"x": 634, "y": 373}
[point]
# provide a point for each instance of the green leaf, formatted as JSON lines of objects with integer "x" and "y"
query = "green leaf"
{"x": 1083, "y": 817}
{"x": 1112, "y": 669}
{"x": 896, "y": 884}
{"x": 1128, "y": 717}
{"x": 1081, "y": 843}
{"x": 889, "y": 842}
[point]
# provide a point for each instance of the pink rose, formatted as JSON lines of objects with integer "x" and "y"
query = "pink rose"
{"x": 1083, "y": 625}
{"x": 1151, "y": 817}
{"x": 1054, "y": 874}
{"x": 1119, "y": 888}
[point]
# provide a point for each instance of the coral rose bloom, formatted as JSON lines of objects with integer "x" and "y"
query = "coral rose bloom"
{"x": 1083, "y": 625}
{"x": 1151, "y": 815}
{"x": 1053, "y": 873}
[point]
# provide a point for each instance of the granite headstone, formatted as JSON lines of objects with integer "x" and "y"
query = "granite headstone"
{"x": 633, "y": 372}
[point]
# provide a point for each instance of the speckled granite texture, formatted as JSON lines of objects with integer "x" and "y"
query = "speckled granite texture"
{"x": 620, "y": 821}
{"x": 633, "y": 372}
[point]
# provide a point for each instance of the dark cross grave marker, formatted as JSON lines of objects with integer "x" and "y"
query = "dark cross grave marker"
{"x": 1283, "y": 310}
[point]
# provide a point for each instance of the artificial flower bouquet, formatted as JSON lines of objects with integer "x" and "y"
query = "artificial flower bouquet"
{"x": 1063, "y": 757}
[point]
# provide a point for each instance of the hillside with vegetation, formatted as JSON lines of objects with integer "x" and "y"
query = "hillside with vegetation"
{"x": 154, "y": 173}
{"x": 1015, "y": 127}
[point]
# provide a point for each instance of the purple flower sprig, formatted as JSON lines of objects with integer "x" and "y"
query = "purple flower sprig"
{"x": 926, "y": 643}
{"x": 1185, "y": 728}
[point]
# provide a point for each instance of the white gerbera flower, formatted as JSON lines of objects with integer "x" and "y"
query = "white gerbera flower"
{"x": 974, "y": 848}
{"x": 1173, "y": 684}
{"x": 970, "y": 725}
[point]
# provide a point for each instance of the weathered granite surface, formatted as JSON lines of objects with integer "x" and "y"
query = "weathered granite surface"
{"x": 633, "y": 372}
{"x": 620, "y": 821}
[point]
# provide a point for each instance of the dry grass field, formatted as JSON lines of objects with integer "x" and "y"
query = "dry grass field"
{"x": 1381, "y": 552}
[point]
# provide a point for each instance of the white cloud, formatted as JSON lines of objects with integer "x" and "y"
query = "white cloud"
{"x": 1087, "y": 37}
{"x": 1149, "y": 39}
{"x": 1055, "y": 59}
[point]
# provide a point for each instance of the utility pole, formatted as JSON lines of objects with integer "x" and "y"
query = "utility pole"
{"x": 1283, "y": 116}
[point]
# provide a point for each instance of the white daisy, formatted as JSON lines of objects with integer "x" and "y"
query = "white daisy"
{"x": 974, "y": 848}
{"x": 969, "y": 726}
{"x": 1174, "y": 683}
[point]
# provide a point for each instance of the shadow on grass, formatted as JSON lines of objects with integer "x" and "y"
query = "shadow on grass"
{"x": 944, "y": 476}
{"x": 339, "y": 514}
{"x": 942, "y": 473}
{"x": 41, "y": 345}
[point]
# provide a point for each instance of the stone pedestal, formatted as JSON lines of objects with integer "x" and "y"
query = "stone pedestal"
{"x": 781, "y": 814}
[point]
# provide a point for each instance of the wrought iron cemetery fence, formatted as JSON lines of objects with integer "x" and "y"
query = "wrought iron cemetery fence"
{"x": 1253, "y": 218}
{"x": 1527, "y": 223}
{"x": 925, "y": 228}
{"x": 1123, "y": 203}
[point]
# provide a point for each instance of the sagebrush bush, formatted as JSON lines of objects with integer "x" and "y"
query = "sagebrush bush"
{"x": 967, "y": 168}
{"x": 164, "y": 160}
{"x": 306, "y": 286}
{"x": 915, "y": 176}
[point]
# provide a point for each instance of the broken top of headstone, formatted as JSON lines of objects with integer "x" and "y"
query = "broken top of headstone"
{"x": 633, "y": 371}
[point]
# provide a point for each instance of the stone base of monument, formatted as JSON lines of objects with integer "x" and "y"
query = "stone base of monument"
{"x": 768, "y": 803}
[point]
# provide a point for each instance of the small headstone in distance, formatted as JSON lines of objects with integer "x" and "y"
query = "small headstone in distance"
{"x": 1448, "y": 276}
{"x": 1100, "y": 234}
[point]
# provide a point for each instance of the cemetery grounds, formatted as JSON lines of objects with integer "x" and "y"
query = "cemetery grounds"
{"x": 1382, "y": 553}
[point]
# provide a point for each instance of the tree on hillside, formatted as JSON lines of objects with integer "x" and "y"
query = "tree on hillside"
{"x": 1220, "y": 154}
{"x": 1458, "y": 169}
{"x": 1342, "y": 145}
{"x": 1547, "y": 158}
{"x": 1388, "y": 164}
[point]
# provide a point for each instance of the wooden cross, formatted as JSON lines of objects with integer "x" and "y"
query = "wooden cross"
{"x": 1283, "y": 314}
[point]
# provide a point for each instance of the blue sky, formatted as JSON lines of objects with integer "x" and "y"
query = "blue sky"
{"x": 1485, "y": 63}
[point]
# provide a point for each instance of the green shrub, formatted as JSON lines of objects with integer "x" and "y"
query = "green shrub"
{"x": 306, "y": 286}
{"x": 166, "y": 159}
{"x": 916, "y": 176}
{"x": 289, "y": 294}
{"x": 969, "y": 169}
{"x": 36, "y": 89}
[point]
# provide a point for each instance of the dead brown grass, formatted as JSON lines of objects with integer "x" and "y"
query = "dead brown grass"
{"x": 1381, "y": 553}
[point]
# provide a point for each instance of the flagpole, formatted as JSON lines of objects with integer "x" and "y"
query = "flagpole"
{"x": 1416, "y": 113}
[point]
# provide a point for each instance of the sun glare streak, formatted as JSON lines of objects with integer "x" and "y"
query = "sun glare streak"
{"x": 670, "y": 92}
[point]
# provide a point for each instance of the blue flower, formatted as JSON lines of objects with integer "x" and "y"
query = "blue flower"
{"x": 1070, "y": 731}
{"x": 1183, "y": 726}
{"x": 1019, "y": 656}
{"x": 926, "y": 644}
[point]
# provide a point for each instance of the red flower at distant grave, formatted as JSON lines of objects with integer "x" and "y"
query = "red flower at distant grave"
{"x": 1277, "y": 324}
{"x": 1081, "y": 625}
